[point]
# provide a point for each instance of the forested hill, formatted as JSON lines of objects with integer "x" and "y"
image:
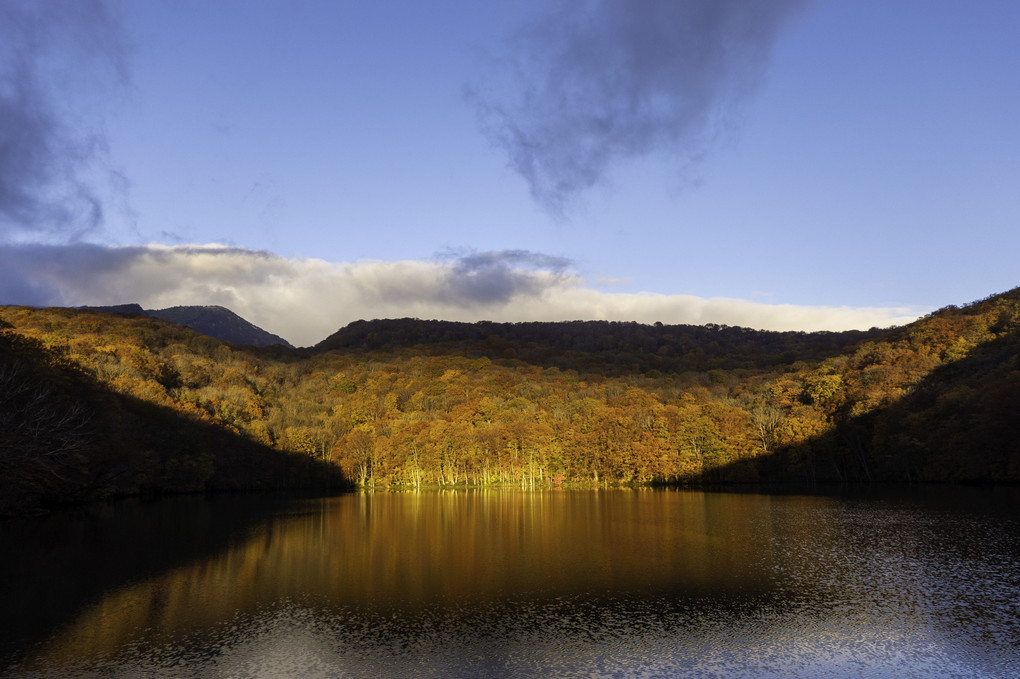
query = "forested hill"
{"x": 215, "y": 321}
{"x": 607, "y": 347}
{"x": 221, "y": 323}
{"x": 86, "y": 412}
{"x": 90, "y": 403}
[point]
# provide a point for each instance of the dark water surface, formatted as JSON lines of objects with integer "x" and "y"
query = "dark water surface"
{"x": 621, "y": 583}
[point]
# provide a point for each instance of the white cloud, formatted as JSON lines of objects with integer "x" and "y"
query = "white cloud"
{"x": 304, "y": 300}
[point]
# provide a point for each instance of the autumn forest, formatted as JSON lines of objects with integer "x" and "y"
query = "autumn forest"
{"x": 96, "y": 404}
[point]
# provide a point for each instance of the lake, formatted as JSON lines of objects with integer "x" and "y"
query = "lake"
{"x": 576, "y": 583}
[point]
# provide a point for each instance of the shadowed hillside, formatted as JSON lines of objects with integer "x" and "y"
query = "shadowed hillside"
{"x": 961, "y": 422}
{"x": 66, "y": 436}
{"x": 221, "y": 323}
{"x": 215, "y": 321}
{"x": 604, "y": 347}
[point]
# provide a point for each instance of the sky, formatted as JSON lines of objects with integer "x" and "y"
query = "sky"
{"x": 777, "y": 164}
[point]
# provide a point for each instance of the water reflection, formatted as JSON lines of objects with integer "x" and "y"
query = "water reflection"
{"x": 529, "y": 584}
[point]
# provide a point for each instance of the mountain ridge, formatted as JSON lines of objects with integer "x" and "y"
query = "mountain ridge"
{"x": 213, "y": 320}
{"x": 412, "y": 403}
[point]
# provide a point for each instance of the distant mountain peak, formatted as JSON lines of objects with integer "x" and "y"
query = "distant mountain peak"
{"x": 219, "y": 322}
{"x": 213, "y": 320}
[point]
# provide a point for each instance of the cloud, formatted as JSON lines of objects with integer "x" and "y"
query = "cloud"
{"x": 485, "y": 278}
{"x": 596, "y": 82}
{"x": 304, "y": 300}
{"x": 55, "y": 59}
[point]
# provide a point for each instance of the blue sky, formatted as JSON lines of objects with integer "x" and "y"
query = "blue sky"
{"x": 815, "y": 164}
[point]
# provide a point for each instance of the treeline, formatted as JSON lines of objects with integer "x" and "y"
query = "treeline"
{"x": 411, "y": 403}
{"x": 609, "y": 348}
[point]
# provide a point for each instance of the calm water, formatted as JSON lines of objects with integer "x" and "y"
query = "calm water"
{"x": 622, "y": 583}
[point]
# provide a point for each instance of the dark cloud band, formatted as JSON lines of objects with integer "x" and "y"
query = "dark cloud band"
{"x": 44, "y": 46}
{"x": 596, "y": 82}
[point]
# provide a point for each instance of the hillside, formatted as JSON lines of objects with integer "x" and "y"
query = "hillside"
{"x": 219, "y": 322}
{"x": 605, "y": 347}
{"x": 84, "y": 415}
{"x": 939, "y": 402}
{"x": 406, "y": 403}
{"x": 215, "y": 321}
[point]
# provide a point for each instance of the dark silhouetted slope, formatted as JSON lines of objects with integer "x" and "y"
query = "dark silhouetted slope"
{"x": 69, "y": 435}
{"x": 609, "y": 347}
{"x": 215, "y": 321}
{"x": 219, "y": 322}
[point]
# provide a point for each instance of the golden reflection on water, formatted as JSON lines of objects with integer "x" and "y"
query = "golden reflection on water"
{"x": 407, "y": 550}
{"x": 513, "y": 583}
